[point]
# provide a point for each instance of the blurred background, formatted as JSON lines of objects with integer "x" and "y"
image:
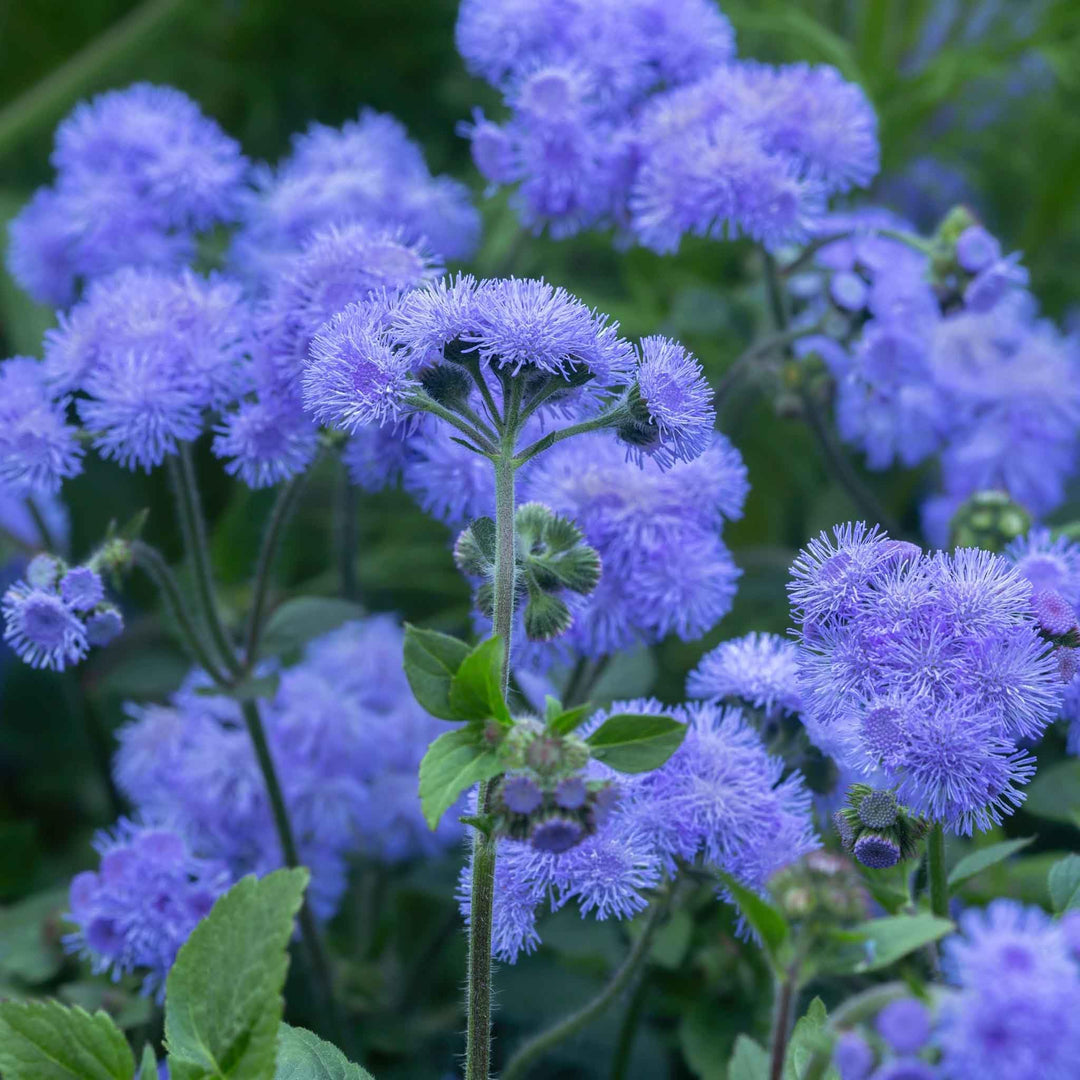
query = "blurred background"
{"x": 979, "y": 102}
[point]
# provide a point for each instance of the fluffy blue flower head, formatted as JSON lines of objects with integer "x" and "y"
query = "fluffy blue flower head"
{"x": 1016, "y": 1009}
{"x": 139, "y": 172}
{"x": 761, "y": 669}
{"x": 135, "y": 911}
{"x": 928, "y": 667}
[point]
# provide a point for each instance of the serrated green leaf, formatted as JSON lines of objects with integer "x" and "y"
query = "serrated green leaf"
{"x": 635, "y": 743}
{"x": 223, "y": 995}
{"x": 431, "y": 661}
{"x": 750, "y": 1061}
{"x": 980, "y": 860}
{"x": 148, "y": 1063}
{"x": 570, "y": 720}
{"x": 1063, "y": 882}
{"x": 1054, "y": 794}
{"x": 475, "y": 692}
{"x": 44, "y": 1040}
{"x": 299, "y": 620}
{"x": 891, "y": 939}
{"x": 453, "y": 762}
{"x": 304, "y": 1056}
{"x": 807, "y": 1036}
{"x": 767, "y": 921}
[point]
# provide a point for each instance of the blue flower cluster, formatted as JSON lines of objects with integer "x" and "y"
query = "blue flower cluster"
{"x": 720, "y": 799}
{"x": 140, "y": 172}
{"x": 929, "y": 668}
{"x": 637, "y": 115}
{"x": 944, "y": 355}
{"x": 54, "y": 615}
{"x": 760, "y": 669}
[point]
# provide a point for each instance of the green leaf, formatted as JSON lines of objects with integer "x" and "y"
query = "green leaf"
{"x": 566, "y": 722}
{"x": 1054, "y": 794}
{"x": 475, "y": 692}
{"x": 979, "y": 860}
{"x": 634, "y": 743}
{"x": 304, "y": 1056}
{"x": 44, "y": 1040}
{"x": 454, "y": 762}
{"x": 299, "y": 620}
{"x": 749, "y": 1062}
{"x": 148, "y": 1063}
{"x": 767, "y": 921}
{"x": 431, "y": 661}
{"x": 888, "y": 940}
{"x": 223, "y": 995}
{"x": 1064, "y": 884}
{"x": 809, "y": 1035}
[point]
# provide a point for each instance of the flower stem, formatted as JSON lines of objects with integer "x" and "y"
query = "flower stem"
{"x": 628, "y": 1028}
{"x": 547, "y": 1040}
{"x": 786, "y": 988}
{"x": 283, "y": 508}
{"x": 189, "y": 510}
{"x": 606, "y": 419}
{"x": 935, "y": 871}
{"x": 505, "y": 569}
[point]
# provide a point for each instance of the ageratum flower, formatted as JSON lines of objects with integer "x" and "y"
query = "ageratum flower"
{"x": 1051, "y": 564}
{"x": 666, "y": 568}
{"x": 1016, "y": 1009}
{"x": 348, "y": 737}
{"x": 139, "y": 172}
{"x": 927, "y": 667}
{"x": 367, "y": 172}
{"x": 38, "y": 448}
{"x": 762, "y": 669}
{"x": 148, "y": 353}
{"x": 135, "y": 911}
{"x": 719, "y": 799}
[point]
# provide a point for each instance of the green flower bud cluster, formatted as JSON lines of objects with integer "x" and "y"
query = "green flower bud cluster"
{"x": 988, "y": 520}
{"x": 544, "y": 797}
{"x": 944, "y": 269}
{"x": 876, "y": 829}
{"x": 551, "y": 557}
{"x": 820, "y": 888}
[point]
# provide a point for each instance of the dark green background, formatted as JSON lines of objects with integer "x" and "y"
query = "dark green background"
{"x": 997, "y": 102}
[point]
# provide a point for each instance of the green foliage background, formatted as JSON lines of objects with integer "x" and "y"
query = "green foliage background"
{"x": 997, "y": 101}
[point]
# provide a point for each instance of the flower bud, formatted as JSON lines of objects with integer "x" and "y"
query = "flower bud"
{"x": 446, "y": 384}
{"x": 988, "y": 520}
{"x": 877, "y": 851}
{"x": 546, "y": 617}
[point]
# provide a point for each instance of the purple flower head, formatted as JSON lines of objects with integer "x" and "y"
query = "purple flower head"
{"x": 1049, "y": 563}
{"x": 367, "y": 172}
{"x": 1014, "y": 1012}
{"x": 135, "y": 911}
{"x": 555, "y": 835}
{"x": 138, "y": 172}
{"x": 905, "y": 1069}
{"x": 853, "y": 1057}
{"x": 929, "y": 668}
{"x": 877, "y": 851}
{"x": 38, "y": 448}
{"x": 520, "y": 794}
{"x": 904, "y": 1025}
{"x": 1053, "y": 612}
{"x": 570, "y": 793}
{"x": 677, "y": 401}
{"x": 848, "y": 291}
{"x": 104, "y": 626}
{"x": 762, "y": 669}
{"x": 42, "y": 629}
{"x": 976, "y": 249}
{"x": 266, "y": 441}
{"x": 81, "y": 588}
{"x": 353, "y": 375}
{"x": 666, "y": 570}
{"x": 994, "y": 283}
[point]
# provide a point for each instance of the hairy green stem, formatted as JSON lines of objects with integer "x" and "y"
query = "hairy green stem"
{"x": 861, "y": 1007}
{"x": 423, "y": 402}
{"x": 607, "y": 419}
{"x": 152, "y": 563}
{"x": 935, "y": 871}
{"x": 505, "y": 561}
{"x": 193, "y": 527}
{"x": 481, "y": 902}
{"x": 786, "y": 990}
{"x": 282, "y": 510}
{"x": 541, "y": 1044}
{"x": 49, "y": 98}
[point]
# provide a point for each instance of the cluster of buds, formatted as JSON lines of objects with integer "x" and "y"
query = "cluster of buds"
{"x": 820, "y": 888}
{"x": 967, "y": 266}
{"x": 551, "y": 558}
{"x": 544, "y": 797}
{"x": 876, "y": 829}
{"x": 989, "y": 520}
